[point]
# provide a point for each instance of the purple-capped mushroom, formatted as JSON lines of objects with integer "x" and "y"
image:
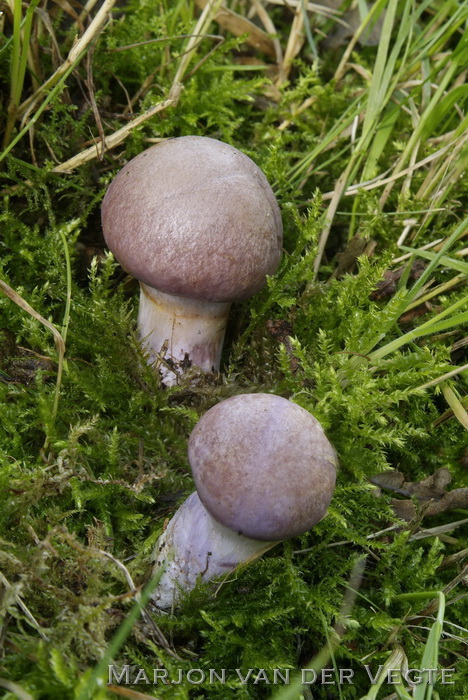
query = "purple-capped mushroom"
{"x": 264, "y": 472}
{"x": 196, "y": 222}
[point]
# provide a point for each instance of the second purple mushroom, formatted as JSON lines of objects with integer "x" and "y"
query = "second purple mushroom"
{"x": 264, "y": 472}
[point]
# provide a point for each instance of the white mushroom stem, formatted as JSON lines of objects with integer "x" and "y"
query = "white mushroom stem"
{"x": 186, "y": 332}
{"x": 195, "y": 546}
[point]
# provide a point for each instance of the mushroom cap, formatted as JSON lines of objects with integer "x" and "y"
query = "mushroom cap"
{"x": 262, "y": 466}
{"x": 196, "y": 218}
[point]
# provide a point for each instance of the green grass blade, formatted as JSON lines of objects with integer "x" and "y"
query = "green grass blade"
{"x": 55, "y": 91}
{"x": 378, "y": 88}
{"x": 96, "y": 679}
{"x": 19, "y": 59}
{"x": 458, "y": 94}
{"x": 25, "y": 48}
{"x": 308, "y": 31}
{"x": 418, "y": 285}
{"x": 433, "y": 326}
{"x": 16, "y": 51}
{"x": 458, "y": 265}
{"x": 423, "y": 691}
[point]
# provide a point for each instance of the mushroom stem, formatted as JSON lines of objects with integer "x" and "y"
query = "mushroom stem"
{"x": 196, "y": 546}
{"x": 184, "y": 331}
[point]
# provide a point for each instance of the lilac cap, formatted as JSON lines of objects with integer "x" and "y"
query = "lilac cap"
{"x": 196, "y": 218}
{"x": 262, "y": 466}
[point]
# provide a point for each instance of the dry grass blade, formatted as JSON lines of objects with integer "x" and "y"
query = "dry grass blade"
{"x": 81, "y": 46}
{"x": 454, "y": 559}
{"x": 158, "y": 635}
{"x": 407, "y": 256}
{"x": 319, "y": 661}
{"x": 396, "y": 661}
{"x": 328, "y": 12}
{"x": 448, "y": 414}
{"x": 14, "y": 296}
{"x": 433, "y": 178}
{"x": 87, "y": 9}
{"x": 294, "y": 45}
{"x": 378, "y": 97}
{"x": 92, "y": 97}
{"x": 456, "y": 405}
{"x": 440, "y": 289}
{"x": 438, "y": 380}
{"x": 381, "y": 181}
{"x": 59, "y": 341}
{"x": 67, "y": 7}
{"x": 436, "y": 531}
{"x": 423, "y": 124}
{"x": 23, "y": 606}
{"x": 87, "y": 691}
{"x": 201, "y": 28}
{"x": 435, "y": 602}
{"x": 267, "y": 22}
{"x": 16, "y": 689}
{"x": 330, "y": 215}
{"x": 118, "y": 136}
{"x": 374, "y": 13}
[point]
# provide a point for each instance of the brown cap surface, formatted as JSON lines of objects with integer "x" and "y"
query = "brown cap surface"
{"x": 262, "y": 466}
{"x": 194, "y": 217}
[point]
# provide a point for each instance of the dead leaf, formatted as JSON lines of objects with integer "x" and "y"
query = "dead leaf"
{"x": 342, "y": 34}
{"x": 416, "y": 312}
{"x": 238, "y": 25}
{"x": 348, "y": 257}
{"x": 388, "y": 286}
{"x": 429, "y": 494}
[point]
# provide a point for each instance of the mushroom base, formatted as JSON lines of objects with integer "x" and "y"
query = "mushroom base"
{"x": 184, "y": 332}
{"x": 195, "y": 546}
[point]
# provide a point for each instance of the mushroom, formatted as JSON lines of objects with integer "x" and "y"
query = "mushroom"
{"x": 264, "y": 472}
{"x": 196, "y": 222}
